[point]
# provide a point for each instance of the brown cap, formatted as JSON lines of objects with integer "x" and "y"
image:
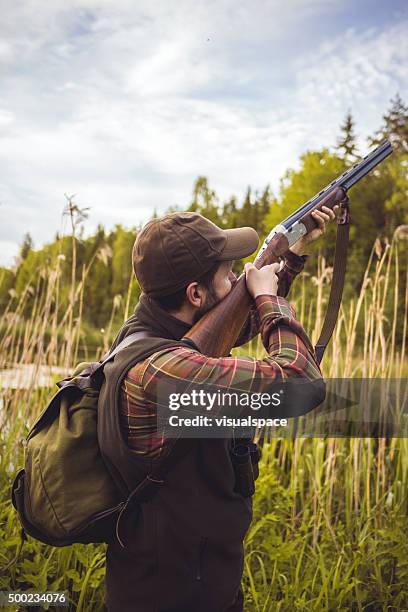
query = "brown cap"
{"x": 175, "y": 250}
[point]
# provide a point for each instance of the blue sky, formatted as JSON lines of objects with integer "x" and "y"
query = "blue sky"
{"x": 125, "y": 103}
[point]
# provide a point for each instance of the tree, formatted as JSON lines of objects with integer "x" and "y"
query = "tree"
{"x": 265, "y": 202}
{"x": 122, "y": 260}
{"x": 98, "y": 287}
{"x": 26, "y": 247}
{"x": 394, "y": 170}
{"x": 395, "y": 126}
{"x": 230, "y": 213}
{"x": 246, "y": 210}
{"x": 205, "y": 200}
{"x": 317, "y": 169}
{"x": 346, "y": 143}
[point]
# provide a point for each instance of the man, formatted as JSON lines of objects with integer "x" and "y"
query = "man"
{"x": 184, "y": 549}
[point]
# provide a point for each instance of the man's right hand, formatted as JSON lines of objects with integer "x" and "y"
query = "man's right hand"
{"x": 263, "y": 281}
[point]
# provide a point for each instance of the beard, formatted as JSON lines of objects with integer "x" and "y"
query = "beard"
{"x": 211, "y": 299}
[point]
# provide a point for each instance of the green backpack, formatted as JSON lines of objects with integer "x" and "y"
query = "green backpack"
{"x": 65, "y": 494}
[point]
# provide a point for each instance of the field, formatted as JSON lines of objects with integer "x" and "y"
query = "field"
{"x": 330, "y": 515}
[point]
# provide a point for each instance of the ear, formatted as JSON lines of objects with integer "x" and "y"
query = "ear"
{"x": 195, "y": 294}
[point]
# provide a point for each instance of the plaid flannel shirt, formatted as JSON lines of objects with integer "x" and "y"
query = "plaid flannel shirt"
{"x": 290, "y": 354}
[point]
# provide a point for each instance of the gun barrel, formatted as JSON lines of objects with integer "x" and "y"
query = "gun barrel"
{"x": 352, "y": 176}
{"x": 345, "y": 180}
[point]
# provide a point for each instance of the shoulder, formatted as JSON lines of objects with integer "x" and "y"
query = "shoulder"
{"x": 158, "y": 360}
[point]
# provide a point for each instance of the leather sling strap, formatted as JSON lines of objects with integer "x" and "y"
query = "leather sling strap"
{"x": 339, "y": 273}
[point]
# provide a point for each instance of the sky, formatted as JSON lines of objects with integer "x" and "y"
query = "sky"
{"x": 125, "y": 103}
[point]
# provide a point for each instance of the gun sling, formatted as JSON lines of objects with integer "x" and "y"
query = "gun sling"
{"x": 339, "y": 273}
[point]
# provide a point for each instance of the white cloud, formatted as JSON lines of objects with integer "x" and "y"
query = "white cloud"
{"x": 126, "y": 107}
{"x": 6, "y": 118}
{"x": 361, "y": 72}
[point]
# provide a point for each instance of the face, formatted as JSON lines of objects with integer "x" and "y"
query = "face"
{"x": 222, "y": 280}
{"x": 222, "y": 285}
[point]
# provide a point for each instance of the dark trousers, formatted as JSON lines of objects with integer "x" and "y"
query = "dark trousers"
{"x": 114, "y": 604}
{"x": 238, "y": 605}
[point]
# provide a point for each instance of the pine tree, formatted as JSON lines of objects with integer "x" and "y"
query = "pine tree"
{"x": 395, "y": 126}
{"x": 246, "y": 210}
{"x": 265, "y": 201}
{"x": 256, "y": 217}
{"x": 346, "y": 143}
{"x": 26, "y": 247}
{"x": 395, "y": 129}
{"x": 230, "y": 213}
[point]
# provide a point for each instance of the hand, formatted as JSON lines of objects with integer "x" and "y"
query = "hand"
{"x": 322, "y": 218}
{"x": 262, "y": 281}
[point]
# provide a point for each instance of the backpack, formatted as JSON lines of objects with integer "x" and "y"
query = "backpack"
{"x": 65, "y": 494}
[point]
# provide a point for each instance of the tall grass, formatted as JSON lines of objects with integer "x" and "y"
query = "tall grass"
{"x": 330, "y": 515}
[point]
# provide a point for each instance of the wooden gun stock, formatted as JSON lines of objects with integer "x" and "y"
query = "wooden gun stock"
{"x": 217, "y": 331}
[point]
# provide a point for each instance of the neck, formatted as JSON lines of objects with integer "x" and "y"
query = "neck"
{"x": 184, "y": 314}
{"x": 164, "y": 324}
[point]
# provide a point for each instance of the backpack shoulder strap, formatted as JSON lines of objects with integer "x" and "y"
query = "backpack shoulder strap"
{"x": 175, "y": 450}
{"x": 88, "y": 377}
{"x": 124, "y": 344}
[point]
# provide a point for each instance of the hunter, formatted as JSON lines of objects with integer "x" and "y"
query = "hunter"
{"x": 184, "y": 549}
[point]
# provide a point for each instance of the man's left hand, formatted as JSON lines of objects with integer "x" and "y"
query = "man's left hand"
{"x": 322, "y": 218}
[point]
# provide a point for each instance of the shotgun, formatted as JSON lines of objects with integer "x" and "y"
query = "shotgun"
{"x": 217, "y": 331}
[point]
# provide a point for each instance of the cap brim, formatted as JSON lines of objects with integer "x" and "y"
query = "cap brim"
{"x": 241, "y": 242}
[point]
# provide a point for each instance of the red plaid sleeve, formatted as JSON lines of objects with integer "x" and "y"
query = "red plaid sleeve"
{"x": 290, "y": 355}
